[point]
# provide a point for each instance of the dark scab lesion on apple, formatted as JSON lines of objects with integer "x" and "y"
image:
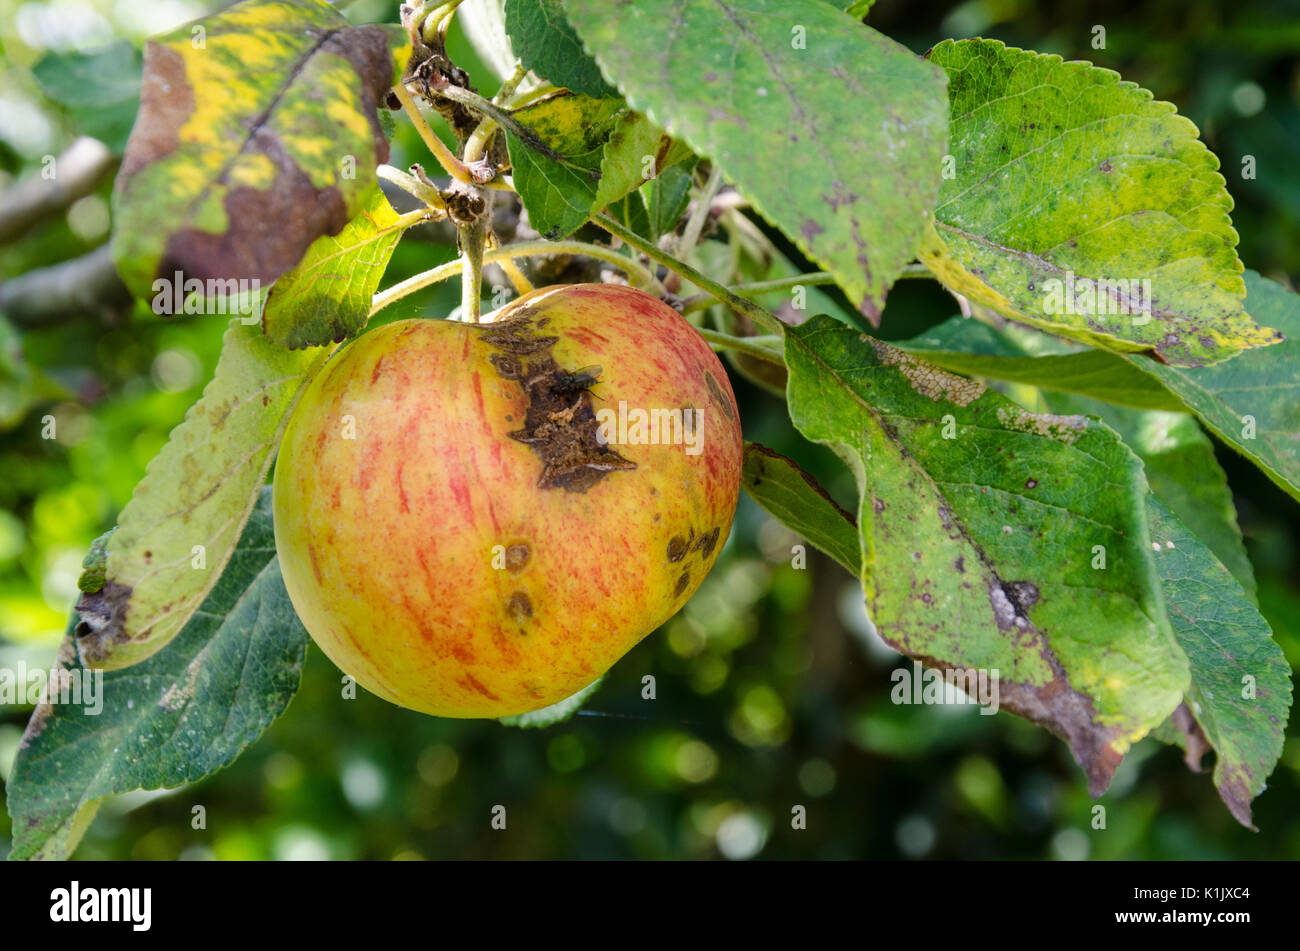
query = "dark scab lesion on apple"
{"x": 516, "y": 335}
{"x": 706, "y": 542}
{"x": 720, "y": 397}
{"x": 683, "y": 583}
{"x": 559, "y": 420}
{"x": 679, "y": 547}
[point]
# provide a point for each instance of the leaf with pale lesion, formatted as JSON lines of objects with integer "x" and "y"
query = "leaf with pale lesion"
{"x": 974, "y": 348}
{"x": 1178, "y": 457}
{"x": 177, "y": 533}
{"x": 837, "y": 140}
{"x": 980, "y": 524}
{"x": 326, "y": 298}
{"x": 1182, "y": 472}
{"x": 1063, "y": 173}
{"x": 254, "y": 137}
{"x": 1249, "y": 401}
{"x": 179, "y": 716}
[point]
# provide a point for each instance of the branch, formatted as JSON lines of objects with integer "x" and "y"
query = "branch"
{"x": 76, "y": 173}
{"x": 84, "y": 286}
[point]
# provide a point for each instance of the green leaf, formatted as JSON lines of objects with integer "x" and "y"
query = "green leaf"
{"x": 268, "y": 115}
{"x": 545, "y": 42}
{"x": 1252, "y": 402}
{"x": 1182, "y": 472}
{"x": 557, "y": 712}
{"x": 1066, "y": 177}
{"x": 326, "y": 298}
{"x": 630, "y": 211}
{"x": 559, "y": 190}
{"x": 99, "y": 89}
{"x": 974, "y": 348}
{"x": 667, "y": 197}
{"x": 1240, "y": 691}
{"x": 833, "y": 131}
{"x": 174, "y": 537}
{"x": 1179, "y": 458}
{"x": 93, "y": 80}
{"x": 637, "y": 151}
{"x": 181, "y": 715}
{"x": 981, "y": 527}
{"x": 794, "y": 498}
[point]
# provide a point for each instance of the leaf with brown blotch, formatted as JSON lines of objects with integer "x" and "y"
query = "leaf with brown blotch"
{"x": 258, "y": 132}
{"x": 998, "y": 540}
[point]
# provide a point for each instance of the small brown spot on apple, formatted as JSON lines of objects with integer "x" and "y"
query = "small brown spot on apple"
{"x": 519, "y": 606}
{"x": 677, "y": 548}
{"x": 517, "y": 556}
{"x": 506, "y": 365}
{"x": 683, "y": 583}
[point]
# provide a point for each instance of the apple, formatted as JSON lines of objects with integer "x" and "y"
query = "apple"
{"x": 478, "y": 520}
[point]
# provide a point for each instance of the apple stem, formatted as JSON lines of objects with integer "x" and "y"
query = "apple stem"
{"x": 812, "y": 279}
{"x": 446, "y": 158}
{"x": 413, "y": 186}
{"x": 436, "y": 23}
{"x": 472, "y": 238}
{"x": 524, "y": 249}
{"x": 532, "y": 94}
{"x": 758, "y": 314}
{"x": 700, "y": 213}
{"x": 757, "y": 288}
{"x": 517, "y": 277}
{"x": 504, "y": 119}
{"x": 507, "y": 90}
{"x": 760, "y": 347}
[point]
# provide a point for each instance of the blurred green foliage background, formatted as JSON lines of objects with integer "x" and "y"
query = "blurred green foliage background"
{"x": 771, "y": 690}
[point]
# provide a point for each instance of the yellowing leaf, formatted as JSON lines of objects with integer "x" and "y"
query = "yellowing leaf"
{"x": 1079, "y": 204}
{"x": 559, "y": 188}
{"x": 257, "y": 133}
{"x": 326, "y": 298}
{"x": 637, "y": 151}
{"x": 177, "y": 533}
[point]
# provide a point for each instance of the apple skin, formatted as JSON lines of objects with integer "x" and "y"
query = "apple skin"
{"x": 462, "y": 571}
